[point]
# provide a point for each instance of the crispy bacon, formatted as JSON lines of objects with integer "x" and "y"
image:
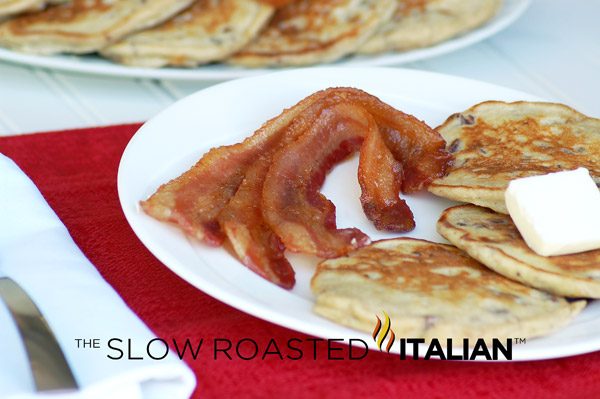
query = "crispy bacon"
{"x": 195, "y": 199}
{"x": 276, "y": 3}
{"x": 263, "y": 193}
{"x": 380, "y": 177}
{"x": 292, "y": 205}
{"x": 253, "y": 241}
{"x": 398, "y": 146}
{"x": 417, "y": 147}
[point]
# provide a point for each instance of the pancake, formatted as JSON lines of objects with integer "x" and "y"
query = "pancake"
{"x": 493, "y": 239}
{"x": 84, "y": 26}
{"x": 313, "y": 31}
{"x": 496, "y": 142}
{"x": 11, "y": 7}
{"x": 431, "y": 291}
{"x": 210, "y": 30}
{"x": 422, "y": 23}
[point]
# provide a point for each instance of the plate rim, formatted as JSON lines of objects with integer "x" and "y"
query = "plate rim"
{"x": 102, "y": 67}
{"x": 264, "y": 312}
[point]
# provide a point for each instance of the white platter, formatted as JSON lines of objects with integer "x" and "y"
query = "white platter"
{"x": 92, "y": 64}
{"x": 171, "y": 142}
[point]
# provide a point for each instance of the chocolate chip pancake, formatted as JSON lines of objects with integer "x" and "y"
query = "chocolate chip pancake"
{"x": 210, "y": 30}
{"x": 493, "y": 239}
{"x": 84, "y": 26}
{"x": 422, "y": 23}
{"x": 495, "y": 142}
{"x": 431, "y": 291}
{"x": 312, "y": 31}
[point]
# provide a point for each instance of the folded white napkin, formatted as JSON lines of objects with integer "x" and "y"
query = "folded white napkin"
{"x": 38, "y": 253}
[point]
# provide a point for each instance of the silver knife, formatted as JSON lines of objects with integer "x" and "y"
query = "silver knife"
{"x": 50, "y": 369}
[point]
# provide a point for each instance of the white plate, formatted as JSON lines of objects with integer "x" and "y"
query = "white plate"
{"x": 92, "y": 64}
{"x": 171, "y": 142}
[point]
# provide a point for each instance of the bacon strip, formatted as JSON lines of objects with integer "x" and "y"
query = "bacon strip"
{"x": 254, "y": 242}
{"x": 226, "y": 193}
{"x": 292, "y": 205}
{"x": 276, "y": 3}
{"x": 417, "y": 147}
{"x": 195, "y": 199}
{"x": 399, "y": 146}
{"x": 380, "y": 177}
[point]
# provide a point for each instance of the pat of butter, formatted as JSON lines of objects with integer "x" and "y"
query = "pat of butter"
{"x": 557, "y": 213}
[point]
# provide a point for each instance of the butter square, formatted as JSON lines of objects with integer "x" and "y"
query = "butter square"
{"x": 557, "y": 213}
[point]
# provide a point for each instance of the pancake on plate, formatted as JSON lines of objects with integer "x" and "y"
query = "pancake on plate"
{"x": 422, "y": 23}
{"x": 493, "y": 239}
{"x": 431, "y": 291}
{"x": 210, "y": 30}
{"x": 84, "y": 26}
{"x": 315, "y": 31}
{"x": 496, "y": 142}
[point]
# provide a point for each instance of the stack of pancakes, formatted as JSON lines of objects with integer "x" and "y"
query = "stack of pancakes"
{"x": 494, "y": 143}
{"x": 250, "y": 33}
{"x": 489, "y": 284}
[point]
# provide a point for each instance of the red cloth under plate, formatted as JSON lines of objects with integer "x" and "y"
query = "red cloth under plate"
{"x": 76, "y": 172}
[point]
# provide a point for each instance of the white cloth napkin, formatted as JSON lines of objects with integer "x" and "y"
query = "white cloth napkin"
{"x": 38, "y": 253}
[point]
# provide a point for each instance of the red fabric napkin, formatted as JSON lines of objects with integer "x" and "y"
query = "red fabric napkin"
{"x": 76, "y": 172}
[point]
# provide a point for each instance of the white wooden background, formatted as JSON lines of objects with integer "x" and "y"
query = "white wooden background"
{"x": 553, "y": 51}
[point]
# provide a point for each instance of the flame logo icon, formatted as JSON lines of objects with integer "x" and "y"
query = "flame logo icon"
{"x": 381, "y": 332}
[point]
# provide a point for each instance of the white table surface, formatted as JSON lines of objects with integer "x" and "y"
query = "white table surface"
{"x": 553, "y": 51}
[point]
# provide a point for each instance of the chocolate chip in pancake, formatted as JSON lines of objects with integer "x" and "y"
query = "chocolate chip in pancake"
{"x": 209, "y": 31}
{"x": 493, "y": 239}
{"x": 496, "y": 142}
{"x": 315, "y": 31}
{"x": 432, "y": 290}
{"x": 84, "y": 26}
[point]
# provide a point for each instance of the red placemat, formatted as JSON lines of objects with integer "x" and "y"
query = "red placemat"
{"x": 76, "y": 172}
